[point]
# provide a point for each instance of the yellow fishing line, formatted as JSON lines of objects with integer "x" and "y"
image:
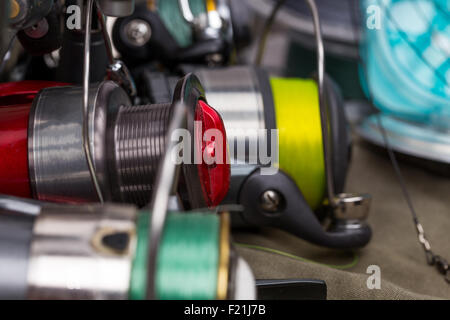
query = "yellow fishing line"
{"x": 300, "y": 135}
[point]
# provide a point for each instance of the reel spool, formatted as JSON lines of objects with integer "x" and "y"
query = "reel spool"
{"x": 181, "y": 31}
{"x": 100, "y": 252}
{"x": 42, "y": 135}
{"x": 287, "y": 198}
{"x": 195, "y": 261}
{"x": 410, "y": 54}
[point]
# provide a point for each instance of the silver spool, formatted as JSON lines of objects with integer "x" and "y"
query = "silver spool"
{"x": 58, "y": 167}
{"x": 236, "y": 94}
{"x": 72, "y": 258}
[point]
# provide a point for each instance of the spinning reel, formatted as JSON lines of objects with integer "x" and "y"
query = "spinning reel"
{"x": 287, "y": 198}
{"x": 285, "y": 191}
{"x": 182, "y": 31}
{"x": 41, "y": 138}
{"x": 108, "y": 150}
{"x": 313, "y": 150}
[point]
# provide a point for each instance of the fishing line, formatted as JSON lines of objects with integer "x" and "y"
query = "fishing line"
{"x": 300, "y": 135}
{"x": 352, "y": 264}
{"x": 432, "y": 259}
{"x": 188, "y": 259}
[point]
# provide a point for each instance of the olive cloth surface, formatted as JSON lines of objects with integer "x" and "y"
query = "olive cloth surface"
{"x": 394, "y": 246}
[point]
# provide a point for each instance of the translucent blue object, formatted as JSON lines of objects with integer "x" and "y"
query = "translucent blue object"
{"x": 407, "y": 58}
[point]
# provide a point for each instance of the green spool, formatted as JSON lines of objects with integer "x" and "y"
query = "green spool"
{"x": 170, "y": 13}
{"x": 188, "y": 258}
{"x": 300, "y": 135}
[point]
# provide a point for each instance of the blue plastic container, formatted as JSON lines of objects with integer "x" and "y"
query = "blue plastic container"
{"x": 407, "y": 60}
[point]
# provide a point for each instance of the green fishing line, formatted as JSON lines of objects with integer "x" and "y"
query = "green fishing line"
{"x": 171, "y": 15}
{"x": 188, "y": 258}
{"x": 286, "y": 254}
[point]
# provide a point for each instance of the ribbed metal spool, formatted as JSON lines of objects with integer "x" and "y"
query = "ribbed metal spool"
{"x": 126, "y": 142}
{"x": 140, "y": 138}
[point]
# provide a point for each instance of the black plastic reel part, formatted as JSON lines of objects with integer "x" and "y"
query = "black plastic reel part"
{"x": 48, "y": 42}
{"x": 340, "y": 138}
{"x": 240, "y": 17}
{"x": 160, "y": 46}
{"x": 294, "y": 214}
{"x": 291, "y": 289}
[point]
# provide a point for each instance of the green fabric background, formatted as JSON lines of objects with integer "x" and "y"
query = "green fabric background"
{"x": 394, "y": 246}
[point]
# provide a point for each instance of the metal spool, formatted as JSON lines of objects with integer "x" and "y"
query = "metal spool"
{"x": 139, "y": 145}
{"x": 127, "y": 143}
{"x": 99, "y": 252}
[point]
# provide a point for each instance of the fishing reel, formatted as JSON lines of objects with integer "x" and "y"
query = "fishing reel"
{"x": 281, "y": 178}
{"x": 293, "y": 197}
{"x": 182, "y": 31}
{"x": 41, "y": 138}
{"x": 36, "y": 24}
{"x": 40, "y": 24}
{"x": 66, "y": 252}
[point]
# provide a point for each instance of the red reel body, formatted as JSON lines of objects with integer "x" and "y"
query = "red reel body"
{"x": 16, "y": 99}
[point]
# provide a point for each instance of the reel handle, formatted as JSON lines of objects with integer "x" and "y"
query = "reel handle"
{"x": 290, "y": 212}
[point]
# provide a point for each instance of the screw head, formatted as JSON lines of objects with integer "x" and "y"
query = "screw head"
{"x": 138, "y": 32}
{"x": 214, "y": 59}
{"x": 39, "y": 30}
{"x": 271, "y": 201}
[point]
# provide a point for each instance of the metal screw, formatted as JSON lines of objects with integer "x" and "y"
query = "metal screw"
{"x": 271, "y": 200}
{"x": 39, "y": 30}
{"x": 214, "y": 59}
{"x": 138, "y": 32}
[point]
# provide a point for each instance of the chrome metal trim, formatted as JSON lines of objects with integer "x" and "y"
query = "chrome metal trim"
{"x": 57, "y": 162}
{"x": 235, "y": 93}
{"x": 68, "y": 262}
